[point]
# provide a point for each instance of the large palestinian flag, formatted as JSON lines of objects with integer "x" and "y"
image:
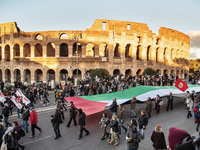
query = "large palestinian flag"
{"x": 96, "y": 103}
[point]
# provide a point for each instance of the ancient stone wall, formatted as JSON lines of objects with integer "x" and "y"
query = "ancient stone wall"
{"x": 121, "y": 47}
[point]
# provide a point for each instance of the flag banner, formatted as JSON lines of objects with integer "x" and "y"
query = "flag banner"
{"x": 22, "y": 96}
{"x": 140, "y": 92}
{"x": 16, "y": 102}
{"x": 2, "y": 98}
{"x": 181, "y": 85}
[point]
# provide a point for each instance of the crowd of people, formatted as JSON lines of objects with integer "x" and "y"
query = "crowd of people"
{"x": 10, "y": 133}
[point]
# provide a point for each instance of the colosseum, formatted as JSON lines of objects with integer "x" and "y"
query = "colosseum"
{"x": 121, "y": 47}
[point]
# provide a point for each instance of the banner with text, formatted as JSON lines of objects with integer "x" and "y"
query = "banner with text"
{"x": 22, "y": 96}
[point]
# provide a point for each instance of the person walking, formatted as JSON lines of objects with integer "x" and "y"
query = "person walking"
{"x": 114, "y": 134}
{"x": 170, "y": 98}
{"x": 132, "y": 137}
{"x": 104, "y": 123}
{"x": 197, "y": 121}
{"x": 113, "y": 107}
{"x": 133, "y": 106}
{"x": 189, "y": 107}
{"x": 73, "y": 114}
{"x": 82, "y": 123}
{"x": 121, "y": 117}
{"x": 56, "y": 123}
{"x": 158, "y": 138}
{"x": 149, "y": 107}
{"x": 143, "y": 121}
{"x": 34, "y": 122}
{"x": 157, "y": 103}
{"x": 25, "y": 118}
{"x": 6, "y": 113}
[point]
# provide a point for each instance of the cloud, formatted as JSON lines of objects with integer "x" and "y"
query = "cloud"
{"x": 194, "y": 38}
{"x": 193, "y": 55}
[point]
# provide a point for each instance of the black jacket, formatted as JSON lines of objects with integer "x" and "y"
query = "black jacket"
{"x": 114, "y": 125}
{"x": 113, "y": 107}
{"x": 57, "y": 117}
{"x": 6, "y": 112}
{"x": 82, "y": 118}
{"x": 134, "y": 136}
{"x": 73, "y": 111}
{"x": 26, "y": 114}
{"x": 143, "y": 121}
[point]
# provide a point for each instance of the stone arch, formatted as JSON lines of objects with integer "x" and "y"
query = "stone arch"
{"x": 38, "y": 75}
{"x": 103, "y": 52}
{"x": 27, "y": 75}
{"x": 173, "y": 72}
{"x": 116, "y": 72}
{"x": 63, "y": 50}
{"x": 158, "y": 71}
{"x": 17, "y": 75}
{"x": 149, "y": 53}
{"x": 50, "y": 75}
{"x": 166, "y": 55}
{"x": 173, "y": 54}
{"x": 178, "y": 73}
{"x": 139, "y": 52}
{"x": 38, "y": 50}
{"x": 139, "y": 72}
{"x": 38, "y": 37}
{"x": 27, "y": 50}
{"x": 63, "y": 36}
{"x": 117, "y": 50}
{"x": 90, "y": 50}
{"x": 165, "y": 72}
{"x": 7, "y": 76}
{"x": 158, "y": 41}
{"x": 75, "y": 72}
{"x": 63, "y": 75}
{"x": 128, "y": 50}
{"x": 75, "y": 49}
{"x": 16, "y": 50}
{"x": 128, "y": 72}
{"x": 157, "y": 55}
{"x": 0, "y": 53}
{"x": 1, "y": 75}
{"x": 7, "y": 53}
{"x": 50, "y": 50}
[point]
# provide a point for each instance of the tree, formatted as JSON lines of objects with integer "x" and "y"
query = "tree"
{"x": 101, "y": 73}
{"x": 149, "y": 71}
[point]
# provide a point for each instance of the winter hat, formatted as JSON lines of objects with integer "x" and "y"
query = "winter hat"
{"x": 176, "y": 136}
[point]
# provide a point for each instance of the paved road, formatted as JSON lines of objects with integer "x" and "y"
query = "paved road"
{"x": 69, "y": 141}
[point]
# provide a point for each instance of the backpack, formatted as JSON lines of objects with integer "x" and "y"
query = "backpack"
{"x": 22, "y": 132}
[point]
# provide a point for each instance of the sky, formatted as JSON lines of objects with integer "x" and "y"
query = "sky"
{"x": 48, "y": 15}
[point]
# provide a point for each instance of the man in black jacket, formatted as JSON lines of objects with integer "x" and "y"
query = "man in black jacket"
{"x": 113, "y": 107}
{"x": 6, "y": 115}
{"x": 143, "y": 121}
{"x": 56, "y": 122}
{"x": 81, "y": 123}
{"x": 170, "y": 98}
{"x": 72, "y": 114}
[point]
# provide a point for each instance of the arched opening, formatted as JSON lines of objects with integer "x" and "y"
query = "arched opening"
{"x": 157, "y": 55}
{"x": 117, "y": 51}
{"x": 165, "y": 72}
{"x": 63, "y": 36}
{"x": 75, "y": 47}
{"x": 16, "y": 51}
{"x": 116, "y": 72}
{"x": 173, "y": 54}
{"x": 1, "y": 75}
{"x": 7, "y": 76}
{"x": 27, "y": 50}
{"x": 158, "y": 41}
{"x": 38, "y": 75}
{"x": 103, "y": 52}
{"x": 127, "y": 51}
{"x": 158, "y": 71}
{"x": 139, "y": 72}
{"x": 149, "y": 53}
{"x": 38, "y": 50}
{"x": 139, "y": 53}
{"x": 177, "y": 73}
{"x": 90, "y": 50}
{"x": 0, "y": 53}
{"x": 50, "y": 75}
{"x": 17, "y": 75}
{"x": 182, "y": 74}
{"x": 51, "y": 50}
{"x": 38, "y": 37}
{"x": 27, "y": 75}
{"x": 7, "y": 53}
{"x": 127, "y": 72}
{"x": 173, "y": 72}
{"x": 63, "y": 75}
{"x": 166, "y": 55}
{"x": 63, "y": 50}
{"x": 77, "y": 74}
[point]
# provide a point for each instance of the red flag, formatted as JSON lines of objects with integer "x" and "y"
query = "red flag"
{"x": 181, "y": 85}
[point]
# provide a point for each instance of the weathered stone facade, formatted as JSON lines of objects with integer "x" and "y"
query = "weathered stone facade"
{"x": 118, "y": 46}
